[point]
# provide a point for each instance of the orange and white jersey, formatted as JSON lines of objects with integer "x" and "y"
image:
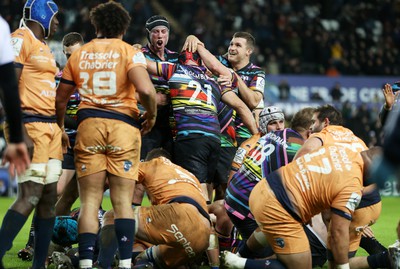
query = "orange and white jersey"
{"x": 329, "y": 177}
{"x": 339, "y": 135}
{"x": 99, "y": 70}
{"x": 165, "y": 181}
{"x": 37, "y": 85}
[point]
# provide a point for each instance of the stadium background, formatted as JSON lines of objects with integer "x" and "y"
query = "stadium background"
{"x": 312, "y": 45}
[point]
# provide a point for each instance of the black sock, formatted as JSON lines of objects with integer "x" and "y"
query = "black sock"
{"x": 43, "y": 233}
{"x": 12, "y": 224}
{"x": 371, "y": 245}
{"x": 270, "y": 264}
{"x": 125, "y": 232}
{"x": 108, "y": 246}
{"x": 380, "y": 260}
{"x": 87, "y": 242}
{"x": 31, "y": 238}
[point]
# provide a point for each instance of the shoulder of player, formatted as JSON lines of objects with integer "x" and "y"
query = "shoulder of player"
{"x": 251, "y": 69}
{"x": 171, "y": 54}
{"x": 256, "y": 69}
{"x": 22, "y": 33}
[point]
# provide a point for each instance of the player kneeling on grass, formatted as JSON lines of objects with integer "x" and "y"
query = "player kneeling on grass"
{"x": 177, "y": 223}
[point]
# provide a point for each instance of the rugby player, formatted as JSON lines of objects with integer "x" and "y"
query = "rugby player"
{"x": 251, "y": 78}
{"x": 195, "y": 97}
{"x": 177, "y": 222}
{"x": 107, "y": 73}
{"x": 158, "y": 30}
{"x": 35, "y": 69}
{"x": 327, "y": 129}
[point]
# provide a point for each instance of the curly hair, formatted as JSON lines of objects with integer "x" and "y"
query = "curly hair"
{"x": 110, "y": 19}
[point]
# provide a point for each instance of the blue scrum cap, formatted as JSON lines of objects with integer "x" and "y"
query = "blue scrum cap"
{"x": 42, "y": 12}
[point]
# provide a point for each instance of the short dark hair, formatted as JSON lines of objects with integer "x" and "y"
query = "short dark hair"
{"x": 157, "y": 152}
{"x": 330, "y": 112}
{"x": 111, "y": 19}
{"x": 301, "y": 121}
{"x": 72, "y": 38}
{"x": 251, "y": 41}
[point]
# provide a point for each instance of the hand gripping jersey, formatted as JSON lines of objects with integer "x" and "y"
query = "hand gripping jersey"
{"x": 254, "y": 78}
{"x": 99, "y": 70}
{"x": 37, "y": 85}
{"x": 270, "y": 152}
{"x": 195, "y": 97}
{"x": 330, "y": 177}
{"x": 165, "y": 181}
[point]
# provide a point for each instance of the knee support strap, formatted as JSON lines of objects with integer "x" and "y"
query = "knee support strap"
{"x": 36, "y": 173}
{"x": 54, "y": 170}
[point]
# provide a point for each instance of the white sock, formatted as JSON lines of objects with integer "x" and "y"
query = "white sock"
{"x": 88, "y": 263}
{"x": 125, "y": 263}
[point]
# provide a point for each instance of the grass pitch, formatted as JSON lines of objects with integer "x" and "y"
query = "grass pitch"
{"x": 384, "y": 229}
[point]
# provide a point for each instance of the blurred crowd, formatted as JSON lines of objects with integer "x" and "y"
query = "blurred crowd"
{"x": 332, "y": 37}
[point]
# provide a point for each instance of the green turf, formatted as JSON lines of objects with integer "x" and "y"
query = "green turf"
{"x": 385, "y": 229}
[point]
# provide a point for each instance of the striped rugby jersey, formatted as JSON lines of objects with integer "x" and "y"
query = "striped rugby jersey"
{"x": 194, "y": 97}
{"x": 270, "y": 152}
{"x": 254, "y": 78}
{"x": 164, "y": 115}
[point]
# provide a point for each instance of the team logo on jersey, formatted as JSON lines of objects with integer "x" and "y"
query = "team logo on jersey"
{"x": 260, "y": 83}
{"x": 139, "y": 58}
{"x": 52, "y": 84}
{"x": 280, "y": 242}
{"x": 127, "y": 165}
{"x": 83, "y": 167}
{"x": 239, "y": 156}
{"x": 17, "y": 45}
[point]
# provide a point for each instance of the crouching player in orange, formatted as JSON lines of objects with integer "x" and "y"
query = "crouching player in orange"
{"x": 328, "y": 178}
{"x": 177, "y": 223}
{"x": 327, "y": 129}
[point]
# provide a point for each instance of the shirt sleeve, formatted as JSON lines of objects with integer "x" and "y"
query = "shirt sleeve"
{"x": 136, "y": 58}
{"x": 347, "y": 201}
{"x": 258, "y": 82}
{"x": 67, "y": 76}
{"x": 21, "y": 46}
